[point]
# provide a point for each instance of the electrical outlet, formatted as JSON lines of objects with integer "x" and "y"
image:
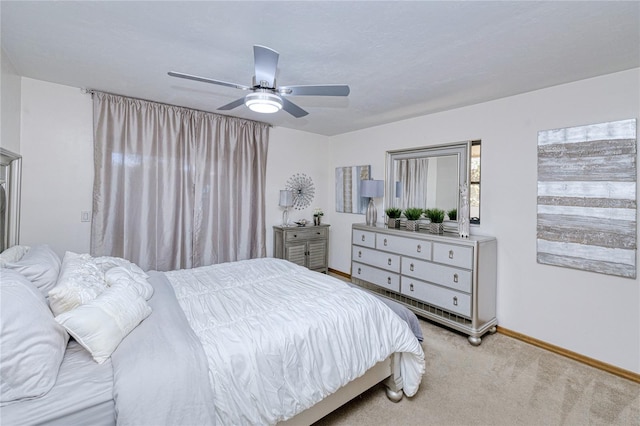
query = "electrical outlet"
{"x": 85, "y": 216}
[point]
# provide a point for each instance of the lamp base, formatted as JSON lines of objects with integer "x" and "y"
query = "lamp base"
{"x": 372, "y": 213}
{"x": 285, "y": 217}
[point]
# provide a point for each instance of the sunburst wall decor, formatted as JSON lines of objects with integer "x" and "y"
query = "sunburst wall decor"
{"x": 303, "y": 190}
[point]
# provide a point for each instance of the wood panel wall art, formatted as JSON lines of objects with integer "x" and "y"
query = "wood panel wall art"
{"x": 587, "y": 198}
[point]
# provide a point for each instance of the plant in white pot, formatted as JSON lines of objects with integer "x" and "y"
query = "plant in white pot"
{"x": 413, "y": 215}
{"x": 436, "y": 217}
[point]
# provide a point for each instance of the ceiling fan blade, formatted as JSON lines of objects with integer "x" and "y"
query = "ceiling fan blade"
{"x": 207, "y": 80}
{"x": 232, "y": 105}
{"x": 266, "y": 63}
{"x": 315, "y": 90}
{"x": 293, "y": 109}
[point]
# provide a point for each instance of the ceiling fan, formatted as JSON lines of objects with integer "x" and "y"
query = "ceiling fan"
{"x": 266, "y": 96}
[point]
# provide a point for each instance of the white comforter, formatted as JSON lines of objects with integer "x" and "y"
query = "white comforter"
{"x": 279, "y": 338}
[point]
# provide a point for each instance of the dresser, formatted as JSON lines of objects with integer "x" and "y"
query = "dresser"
{"x": 444, "y": 278}
{"x": 304, "y": 245}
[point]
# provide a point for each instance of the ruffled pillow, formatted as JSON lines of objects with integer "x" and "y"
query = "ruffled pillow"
{"x": 40, "y": 265}
{"x": 100, "y": 324}
{"x": 12, "y": 254}
{"x": 124, "y": 276}
{"x": 33, "y": 343}
{"x": 80, "y": 281}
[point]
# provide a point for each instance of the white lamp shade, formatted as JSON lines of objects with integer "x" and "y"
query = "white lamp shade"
{"x": 372, "y": 188}
{"x": 286, "y": 198}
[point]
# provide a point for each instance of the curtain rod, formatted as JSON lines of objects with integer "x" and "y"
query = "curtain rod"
{"x": 91, "y": 92}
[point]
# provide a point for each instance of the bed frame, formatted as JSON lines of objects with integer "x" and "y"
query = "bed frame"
{"x": 387, "y": 371}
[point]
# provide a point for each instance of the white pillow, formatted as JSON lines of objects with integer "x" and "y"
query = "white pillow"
{"x": 107, "y": 262}
{"x": 12, "y": 254}
{"x": 101, "y": 324}
{"x": 123, "y": 275}
{"x": 33, "y": 343}
{"x": 79, "y": 282}
{"x": 40, "y": 265}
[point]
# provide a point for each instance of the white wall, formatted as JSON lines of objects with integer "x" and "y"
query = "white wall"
{"x": 57, "y": 166}
{"x": 57, "y": 146}
{"x": 9, "y": 105}
{"x": 592, "y": 314}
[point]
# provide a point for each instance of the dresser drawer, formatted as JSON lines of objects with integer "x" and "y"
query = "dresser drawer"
{"x": 306, "y": 234}
{"x": 454, "y": 255}
{"x": 405, "y": 246}
{"x": 449, "y": 300}
{"x": 455, "y": 278}
{"x": 380, "y": 259}
{"x": 386, "y": 279}
{"x": 364, "y": 238}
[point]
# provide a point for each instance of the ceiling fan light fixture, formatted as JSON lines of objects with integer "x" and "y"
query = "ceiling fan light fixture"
{"x": 263, "y": 102}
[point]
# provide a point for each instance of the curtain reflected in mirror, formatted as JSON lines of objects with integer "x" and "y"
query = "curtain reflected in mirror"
{"x": 348, "y": 199}
{"x": 427, "y": 182}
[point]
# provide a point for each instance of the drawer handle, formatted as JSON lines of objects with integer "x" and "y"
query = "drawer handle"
{"x": 385, "y": 242}
{"x": 359, "y": 254}
{"x": 450, "y": 254}
{"x": 318, "y": 232}
{"x": 389, "y": 262}
{"x": 388, "y": 280}
{"x": 455, "y": 301}
{"x": 359, "y": 271}
{"x": 419, "y": 248}
{"x": 362, "y": 237}
{"x": 411, "y": 267}
{"x": 295, "y": 236}
{"x": 411, "y": 287}
{"x": 455, "y": 278}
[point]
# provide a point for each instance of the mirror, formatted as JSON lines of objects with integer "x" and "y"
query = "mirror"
{"x": 430, "y": 177}
{"x": 348, "y": 199}
{"x": 10, "y": 183}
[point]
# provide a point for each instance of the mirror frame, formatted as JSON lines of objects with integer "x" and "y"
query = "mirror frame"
{"x": 462, "y": 151}
{"x": 13, "y": 185}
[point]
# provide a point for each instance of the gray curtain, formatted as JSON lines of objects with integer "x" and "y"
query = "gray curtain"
{"x": 176, "y": 188}
{"x": 412, "y": 172}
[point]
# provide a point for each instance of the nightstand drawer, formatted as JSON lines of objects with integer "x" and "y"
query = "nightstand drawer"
{"x": 381, "y": 278}
{"x": 363, "y": 238}
{"x": 306, "y": 233}
{"x": 431, "y": 294}
{"x": 406, "y": 246}
{"x": 380, "y": 259}
{"x": 455, "y": 278}
{"x": 454, "y": 255}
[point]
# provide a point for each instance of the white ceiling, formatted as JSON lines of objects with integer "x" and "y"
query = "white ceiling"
{"x": 401, "y": 59}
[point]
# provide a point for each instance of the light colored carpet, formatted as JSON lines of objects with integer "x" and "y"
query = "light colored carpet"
{"x": 502, "y": 382}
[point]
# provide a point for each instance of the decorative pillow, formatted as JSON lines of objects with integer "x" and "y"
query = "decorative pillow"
{"x": 79, "y": 282}
{"x": 12, "y": 254}
{"x": 123, "y": 275}
{"x": 101, "y": 324}
{"x": 107, "y": 262}
{"x": 40, "y": 265}
{"x": 33, "y": 343}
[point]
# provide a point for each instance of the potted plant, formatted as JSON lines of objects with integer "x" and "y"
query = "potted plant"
{"x": 436, "y": 217}
{"x": 393, "y": 213}
{"x": 412, "y": 214}
{"x": 453, "y": 214}
{"x": 317, "y": 215}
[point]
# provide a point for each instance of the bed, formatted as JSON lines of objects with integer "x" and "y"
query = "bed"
{"x": 260, "y": 341}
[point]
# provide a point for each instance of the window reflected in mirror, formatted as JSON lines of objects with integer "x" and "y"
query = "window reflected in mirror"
{"x": 474, "y": 183}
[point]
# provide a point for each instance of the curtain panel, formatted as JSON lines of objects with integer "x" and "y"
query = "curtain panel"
{"x": 174, "y": 187}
